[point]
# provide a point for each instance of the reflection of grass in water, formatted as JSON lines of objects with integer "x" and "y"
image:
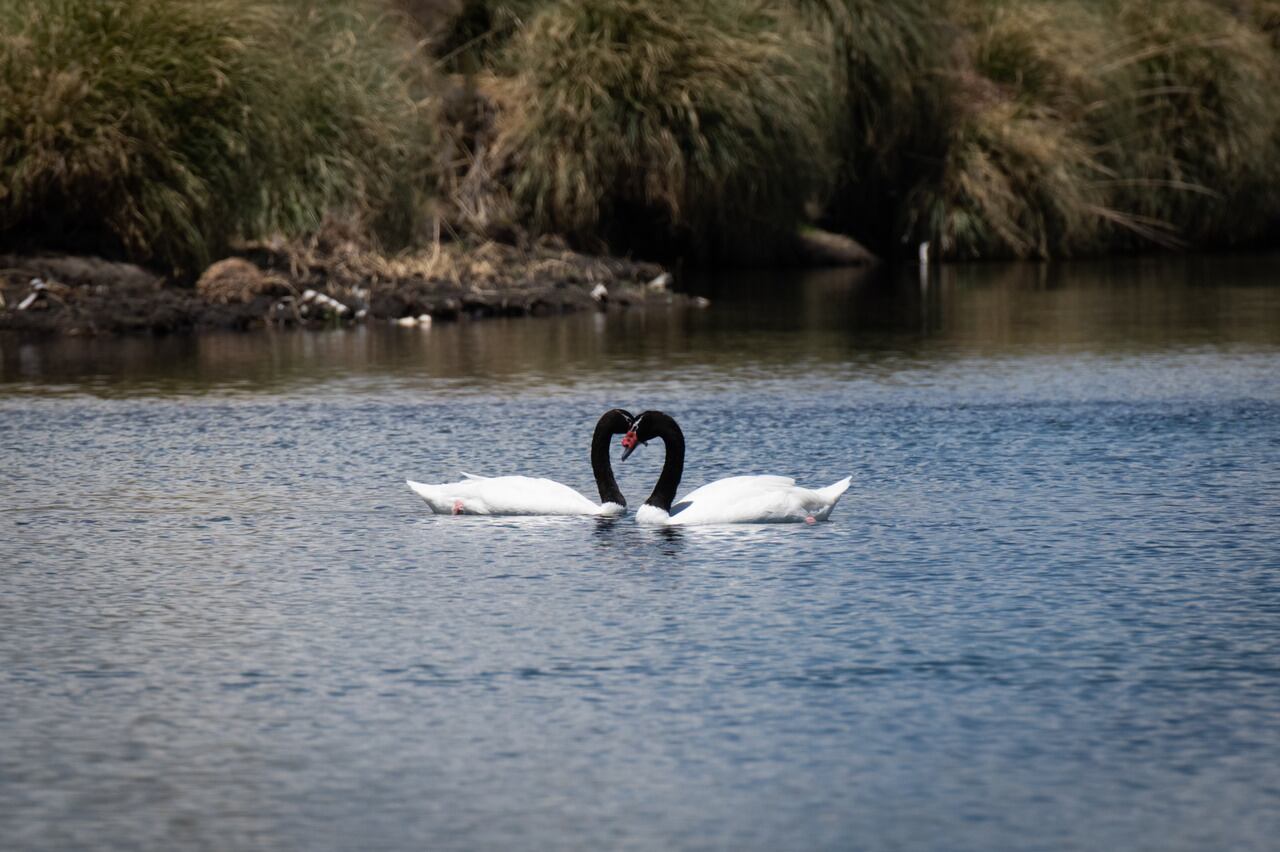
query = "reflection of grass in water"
{"x": 862, "y": 329}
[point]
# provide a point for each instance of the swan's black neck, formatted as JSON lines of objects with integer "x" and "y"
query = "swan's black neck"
{"x": 613, "y": 422}
{"x": 655, "y": 424}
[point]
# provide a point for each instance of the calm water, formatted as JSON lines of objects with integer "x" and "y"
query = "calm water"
{"x": 1046, "y": 616}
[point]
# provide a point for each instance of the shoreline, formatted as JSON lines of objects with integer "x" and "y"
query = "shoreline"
{"x": 1016, "y": 130}
{"x": 333, "y": 279}
{"x": 316, "y": 285}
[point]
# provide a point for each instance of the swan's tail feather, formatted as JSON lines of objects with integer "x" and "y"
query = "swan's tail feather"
{"x": 466, "y": 475}
{"x": 830, "y": 496}
{"x": 833, "y": 492}
{"x": 430, "y": 493}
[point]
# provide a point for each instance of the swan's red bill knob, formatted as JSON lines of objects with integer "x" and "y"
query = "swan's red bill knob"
{"x": 629, "y": 443}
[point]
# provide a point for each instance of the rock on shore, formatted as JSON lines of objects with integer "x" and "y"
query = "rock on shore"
{"x": 322, "y": 283}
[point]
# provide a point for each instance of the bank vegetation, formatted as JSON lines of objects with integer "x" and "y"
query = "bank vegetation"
{"x": 171, "y": 132}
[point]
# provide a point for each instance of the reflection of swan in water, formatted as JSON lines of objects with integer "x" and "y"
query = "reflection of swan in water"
{"x": 527, "y": 495}
{"x": 735, "y": 500}
{"x": 637, "y": 549}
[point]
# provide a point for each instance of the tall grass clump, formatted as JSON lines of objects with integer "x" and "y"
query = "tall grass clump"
{"x": 1015, "y": 182}
{"x": 889, "y": 58}
{"x": 671, "y": 127}
{"x": 1062, "y": 127}
{"x": 1020, "y": 174}
{"x": 371, "y": 147}
{"x": 1194, "y": 138}
{"x": 1081, "y": 127}
{"x": 161, "y": 130}
{"x": 478, "y": 30}
{"x": 1262, "y": 14}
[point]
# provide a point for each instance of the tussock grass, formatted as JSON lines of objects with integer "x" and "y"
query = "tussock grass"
{"x": 705, "y": 126}
{"x": 1081, "y": 127}
{"x": 1040, "y": 54}
{"x": 1019, "y": 175}
{"x": 889, "y": 59}
{"x": 1015, "y": 182}
{"x": 1263, "y": 14}
{"x": 164, "y": 130}
{"x": 1194, "y": 136}
{"x": 479, "y": 30}
{"x": 161, "y": 130}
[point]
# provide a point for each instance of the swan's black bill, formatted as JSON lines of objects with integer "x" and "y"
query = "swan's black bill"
{"x": 629, "y": 444}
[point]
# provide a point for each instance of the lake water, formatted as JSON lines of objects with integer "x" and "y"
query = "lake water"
{"x": 1045, "y": 616}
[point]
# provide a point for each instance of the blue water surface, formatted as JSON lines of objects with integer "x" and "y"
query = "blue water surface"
{"x": 1045, "y": 616}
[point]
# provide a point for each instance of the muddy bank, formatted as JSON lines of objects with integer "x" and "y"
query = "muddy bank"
{"x": 323, "y": 284}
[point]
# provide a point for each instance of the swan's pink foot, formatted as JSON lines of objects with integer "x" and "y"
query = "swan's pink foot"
{"x": 457, "y": 507}
{"x": 810, "y": 519}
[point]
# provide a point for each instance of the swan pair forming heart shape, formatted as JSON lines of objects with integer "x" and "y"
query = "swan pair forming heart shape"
{"x": 734, "y": 500}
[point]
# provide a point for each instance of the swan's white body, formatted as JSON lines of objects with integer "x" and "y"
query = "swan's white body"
{"x": 508, "y": 495}
{"x": 748, "y": 500}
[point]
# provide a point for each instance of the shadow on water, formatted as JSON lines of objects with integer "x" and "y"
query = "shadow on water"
{"x": 1090, "y": 303}
{"x": 759, "y": 321}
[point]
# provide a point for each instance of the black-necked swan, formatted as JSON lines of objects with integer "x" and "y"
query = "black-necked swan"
{"x": 527, "y": 495}
{"x": 735, "y": 500}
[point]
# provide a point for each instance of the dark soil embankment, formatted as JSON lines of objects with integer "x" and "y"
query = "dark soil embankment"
{"x": 322, "y": 285}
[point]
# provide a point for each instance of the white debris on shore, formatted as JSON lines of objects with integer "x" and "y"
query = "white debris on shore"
{"x": 660, "y": 284}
